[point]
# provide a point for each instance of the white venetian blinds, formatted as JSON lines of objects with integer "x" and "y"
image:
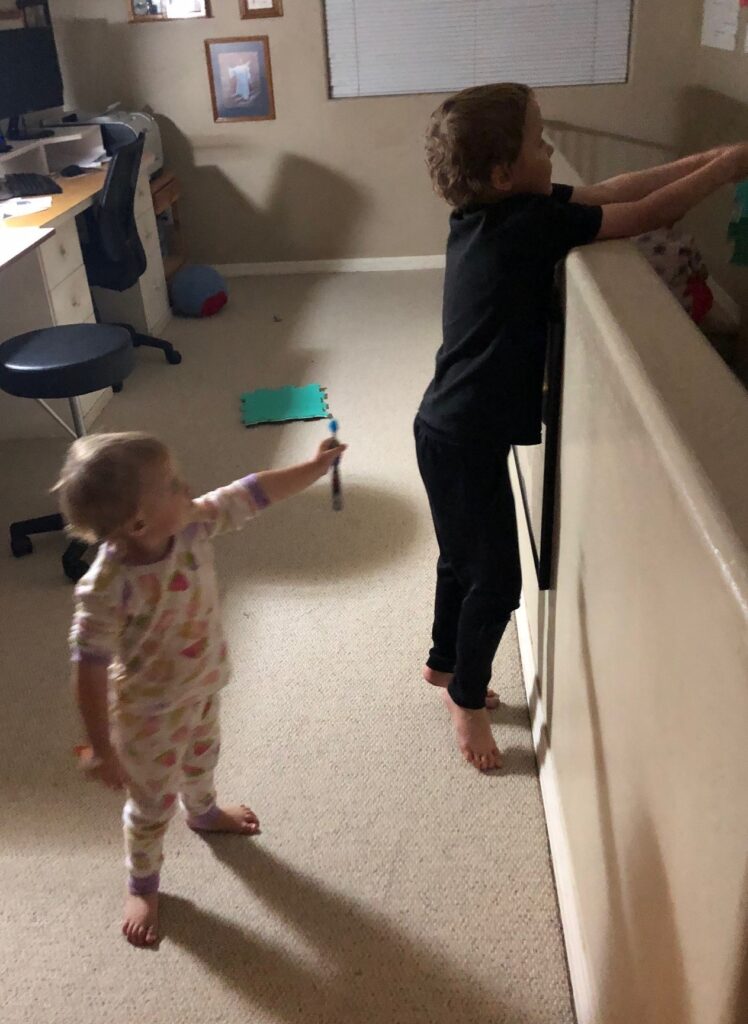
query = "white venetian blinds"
{"x": 385, "y": 47}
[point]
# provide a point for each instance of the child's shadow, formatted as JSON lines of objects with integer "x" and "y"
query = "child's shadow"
{"x": 366, "y": 971}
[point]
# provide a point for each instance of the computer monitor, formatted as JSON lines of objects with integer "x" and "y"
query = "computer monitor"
{"x": 30, "y": 78}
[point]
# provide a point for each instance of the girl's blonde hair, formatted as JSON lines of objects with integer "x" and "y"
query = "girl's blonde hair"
{"x": 101, "y": 481}
{"x": 471, "y": 133}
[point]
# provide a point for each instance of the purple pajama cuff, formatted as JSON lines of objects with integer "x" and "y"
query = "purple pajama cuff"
{"x": 203, "y": 820}
{"x": 258, "y": 496}
{"x": 143, "y": 886}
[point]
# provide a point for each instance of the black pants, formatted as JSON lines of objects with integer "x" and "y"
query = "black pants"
{"x": 478, "y": 576}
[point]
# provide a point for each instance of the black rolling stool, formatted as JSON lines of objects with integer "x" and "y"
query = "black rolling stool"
{"x": 63, "y": 362}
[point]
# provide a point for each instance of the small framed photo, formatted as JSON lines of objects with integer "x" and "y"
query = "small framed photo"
{"x": 241, "y": 81}
{"x": 168, "y": 10}
{"x": 261, "y": 8}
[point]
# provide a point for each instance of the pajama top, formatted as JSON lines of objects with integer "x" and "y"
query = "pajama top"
{"x": 157, "y": 627}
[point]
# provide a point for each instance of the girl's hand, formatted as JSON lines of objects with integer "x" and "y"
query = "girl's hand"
{"x": 328, "y": 452}
{"x": 106, "y": 769}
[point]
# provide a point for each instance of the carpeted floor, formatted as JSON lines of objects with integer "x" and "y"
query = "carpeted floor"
{"x": 392, "y": 883}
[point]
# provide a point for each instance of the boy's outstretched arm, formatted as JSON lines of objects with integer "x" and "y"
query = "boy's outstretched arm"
{"x": 668, "y": 204}
{"x": 278, "y": 484}
{"x": 635, "y": 185}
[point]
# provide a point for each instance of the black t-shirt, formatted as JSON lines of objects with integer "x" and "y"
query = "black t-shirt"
{"x": 498, "y": 288}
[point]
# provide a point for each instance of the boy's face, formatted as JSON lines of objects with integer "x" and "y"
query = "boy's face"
{"x": 531, "y": 172}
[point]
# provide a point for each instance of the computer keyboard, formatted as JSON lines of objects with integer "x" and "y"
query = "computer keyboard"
{"x": 23, "y": 185}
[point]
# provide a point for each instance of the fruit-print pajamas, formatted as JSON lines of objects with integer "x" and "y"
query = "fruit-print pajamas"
{"x": 158, "y": 629}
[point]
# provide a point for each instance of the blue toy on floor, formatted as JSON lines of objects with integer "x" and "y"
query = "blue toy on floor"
{"x": 197, "y": 291}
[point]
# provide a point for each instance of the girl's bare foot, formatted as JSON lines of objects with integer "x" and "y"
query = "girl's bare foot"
{"x": 228, "y": 819}
{"x": 443, "y": 679}
{"x": 140, "y": 926}
{"x": 474, "y": 737}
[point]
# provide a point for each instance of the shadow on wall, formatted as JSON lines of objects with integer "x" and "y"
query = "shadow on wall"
{"x": 643, "y": 977}
{"x": 93, "y": 84}
{"x": 310, "y": 213}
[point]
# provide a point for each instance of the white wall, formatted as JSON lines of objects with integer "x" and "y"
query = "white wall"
{"x": 642, "y": 655}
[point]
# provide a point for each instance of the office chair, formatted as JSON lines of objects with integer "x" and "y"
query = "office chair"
{"x": 63, "y": 362}
{"x": 112, "y": 251}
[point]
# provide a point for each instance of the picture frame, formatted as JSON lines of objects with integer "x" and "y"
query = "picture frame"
{"x": 241, "y": 78}
{"x": 261, "y": 8}
{"x": 167, "y": 10}
{"x": 537, "y": 465}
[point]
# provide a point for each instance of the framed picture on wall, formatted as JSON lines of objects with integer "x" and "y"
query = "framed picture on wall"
{"x": 537, "y": 465}
{"x": 241, "y": 81}
{"x": 261, "y": 8}
{"x": 168, "y": 10}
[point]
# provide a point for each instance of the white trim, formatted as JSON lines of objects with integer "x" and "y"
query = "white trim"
{"x": 584, "y": 990}
{"x": 378, "y": 263}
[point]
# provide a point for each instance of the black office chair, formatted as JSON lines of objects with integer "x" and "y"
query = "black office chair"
{"x": 63, "y": 362}
{"x": 112, "y": 251}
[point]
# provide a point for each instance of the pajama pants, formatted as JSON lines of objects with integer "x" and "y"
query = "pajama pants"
{"x": 167, "y": 757}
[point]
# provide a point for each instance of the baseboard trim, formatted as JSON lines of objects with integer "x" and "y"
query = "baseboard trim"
{"x": 375, "y": 263}
{"x": 586, "y": 1000}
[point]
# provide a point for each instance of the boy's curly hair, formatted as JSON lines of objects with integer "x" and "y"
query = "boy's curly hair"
{"x": 471, "y": 133}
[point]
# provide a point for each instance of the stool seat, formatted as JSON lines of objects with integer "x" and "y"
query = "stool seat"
{"x": 66, "y": 361}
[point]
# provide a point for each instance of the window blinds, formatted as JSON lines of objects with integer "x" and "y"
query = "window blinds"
{"x": 386, "y": 47}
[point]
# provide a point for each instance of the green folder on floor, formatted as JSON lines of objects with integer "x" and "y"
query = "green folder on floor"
{"x": 282, "y": 405}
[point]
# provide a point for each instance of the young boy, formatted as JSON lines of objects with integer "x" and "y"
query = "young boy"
{"x": 510, "y": 227}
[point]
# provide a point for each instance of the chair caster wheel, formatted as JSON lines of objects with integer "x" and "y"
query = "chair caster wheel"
{"x": 174, "y": 358}
{"x": 21, "y": 546}
{"x": 74, "y": 570}
{"x": 72, "y": 560}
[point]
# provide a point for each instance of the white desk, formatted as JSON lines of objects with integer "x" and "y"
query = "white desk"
{"x": 15, "y": 244}
{"x": 43, "y": 280}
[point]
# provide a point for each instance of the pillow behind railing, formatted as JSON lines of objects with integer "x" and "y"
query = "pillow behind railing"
{"x": 681, "y": 267}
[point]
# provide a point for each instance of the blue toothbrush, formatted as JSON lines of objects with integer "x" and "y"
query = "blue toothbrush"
{"x": 337, "y": 491}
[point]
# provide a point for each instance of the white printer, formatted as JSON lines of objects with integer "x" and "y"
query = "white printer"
{"x": 121, "y": 126}
{"x": 118, "y": 126}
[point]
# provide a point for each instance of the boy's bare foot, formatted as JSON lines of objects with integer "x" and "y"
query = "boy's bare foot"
{"x": 229, "y": 819}
{"x": 140, "y": 926}
{"x": 443, "y": 679}
{"x": 474, "y": 737}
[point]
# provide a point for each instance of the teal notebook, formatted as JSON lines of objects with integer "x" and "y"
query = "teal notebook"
{"x": 282, "y": 405}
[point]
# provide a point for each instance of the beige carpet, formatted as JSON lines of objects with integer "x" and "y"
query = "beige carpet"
{"x": 392, "y": 883}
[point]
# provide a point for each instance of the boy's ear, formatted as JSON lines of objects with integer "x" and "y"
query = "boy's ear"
{"x": 501, "y": 178}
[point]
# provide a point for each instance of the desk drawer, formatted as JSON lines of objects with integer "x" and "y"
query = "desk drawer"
{"x": 61, "y": 254}
{"x": 71, "y": 300}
